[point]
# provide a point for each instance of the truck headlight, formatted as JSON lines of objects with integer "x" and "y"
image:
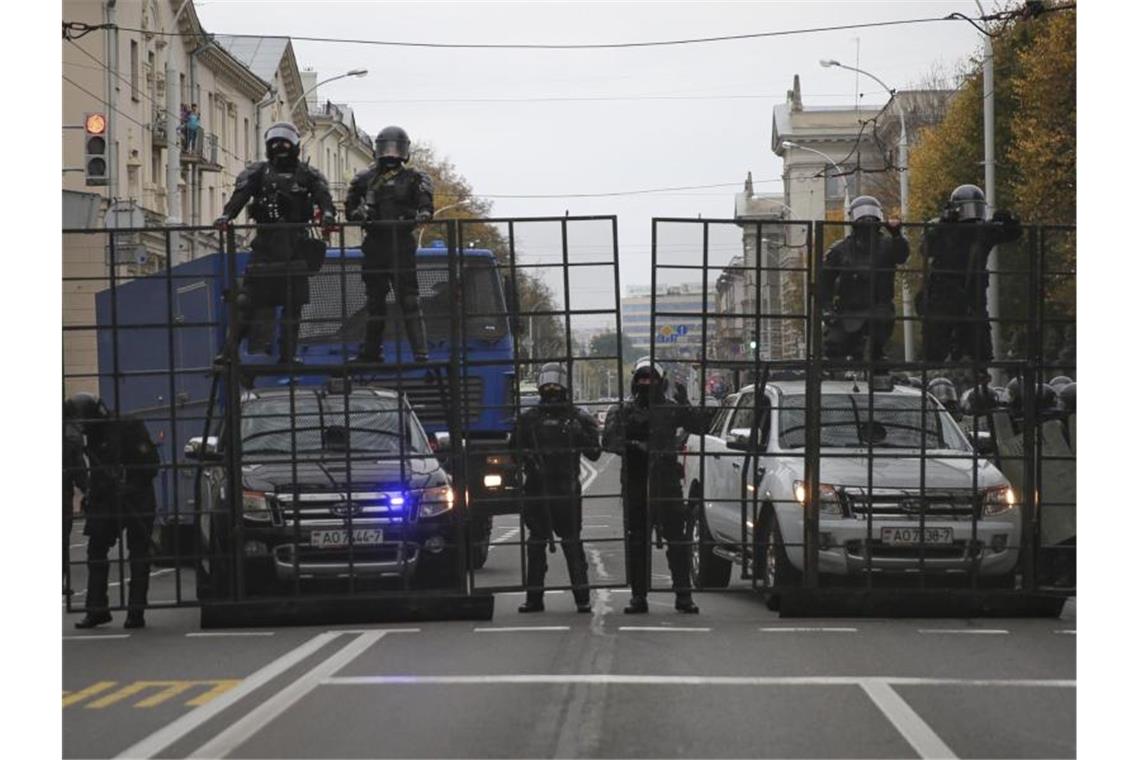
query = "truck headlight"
{"x": 254, "y": 506}
{"x": 436, "y": 501}
{"x": 998, "y": 499}
{"x": 492, "y": 480}
{"x": 829, "y": 501}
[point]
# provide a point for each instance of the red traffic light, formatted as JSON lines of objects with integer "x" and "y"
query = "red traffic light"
{"x": 95, "y": 124}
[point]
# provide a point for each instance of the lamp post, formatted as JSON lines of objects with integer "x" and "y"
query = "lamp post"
{"x": 839, "y": 172}
{"x": 904, "y": 195}
{"x": 420, "y": 236}
{"x": 353, "y": 73}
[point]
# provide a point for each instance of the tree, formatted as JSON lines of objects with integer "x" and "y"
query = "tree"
{"x": 605, "y": 344}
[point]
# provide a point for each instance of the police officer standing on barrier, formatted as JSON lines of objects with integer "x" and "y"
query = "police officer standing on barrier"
{"x": 390, "y": 191}
{"x": 548, "y": 439}
{"x": 280, "y": 190}
{"x": 74, "y": 477}
{"x": 123, "y": 464}
{"x": 645, "y": 433}
{"x": 857, "y": 283}
{"x": 953, "y": 302}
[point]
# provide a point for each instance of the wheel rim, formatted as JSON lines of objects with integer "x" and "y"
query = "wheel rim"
{"x": 695, "y": 546}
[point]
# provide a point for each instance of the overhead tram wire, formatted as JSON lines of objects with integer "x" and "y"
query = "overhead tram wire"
{"x": 79, "y": 29}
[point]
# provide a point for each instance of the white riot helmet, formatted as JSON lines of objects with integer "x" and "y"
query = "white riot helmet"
{"x": 865, "y": 209}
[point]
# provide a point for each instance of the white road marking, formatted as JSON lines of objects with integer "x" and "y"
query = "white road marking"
{"x": 78, "y": 546}
{"x": 662, "y": 628}
{"x": 164, "y": 571}
{"x": 908, "y": 723}
{"x": 966, "y": 631}
{"x": 1071, "y": 632}
{"x": 172, "y": 732}
{"x": 819, "y": 629}
{"x": 523, "y": 593}
{"x": 265, "y": 713}
{"x": 591, "y": 476}
{"x": 98, "y": 636}
{"x": 520, "y": 628}
{"x": 231, "y": 633}
{"x": 508, "y": 536}
{"x": 680, "y": 680}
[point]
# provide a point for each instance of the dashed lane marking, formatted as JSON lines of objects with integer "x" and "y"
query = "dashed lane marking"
{"x": 965, "y": 631}
{"x": 155, "y": 574}
{"x": 204, "y": 634}
{"x": 163, "y": 692}
{"x": 1067, "y": 631}
{"x": 97, "y": 636}
{"x": 654, "y": 628}
{"x": 816, "y": 629}
{"x": 522, "y": 628}
{"x": 682, "y": 680}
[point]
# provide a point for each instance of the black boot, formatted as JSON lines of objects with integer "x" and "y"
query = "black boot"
{"x": 637, "y": 606}
{"x": 372, "y": 349}
{"x": 532, "y": 604}
{"x": 135, "y": 619}
{"x": 583, "y": 604}
{"x": 414, "y": 326}
{"x": 685, "y": 604}
{"x": 93, "y": 618}
{"x": 287, "y": 344}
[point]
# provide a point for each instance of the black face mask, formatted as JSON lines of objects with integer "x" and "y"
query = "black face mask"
{"x": 552, "y": 396}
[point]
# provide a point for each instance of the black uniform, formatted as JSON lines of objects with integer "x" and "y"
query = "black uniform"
{"x": 857, "y": 291}
{"x": 549, "y": 439}
{"x": 390, "y": 191}
{"x": 647, "y": 433}
{"x": 954, "y": 299}
{"x": 124, "y": 463}
{"x": 74, "y": 477}
{"x": 278, "y": 270}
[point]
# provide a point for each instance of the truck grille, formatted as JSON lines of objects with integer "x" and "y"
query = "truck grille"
{"x": 331, "y": 509}
{"x": 943, "y": 505}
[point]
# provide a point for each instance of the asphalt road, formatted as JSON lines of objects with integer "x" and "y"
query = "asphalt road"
{"x": 735, "y": 681}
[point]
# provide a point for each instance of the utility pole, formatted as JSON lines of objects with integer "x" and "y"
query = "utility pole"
{"x": 992, "y": 264}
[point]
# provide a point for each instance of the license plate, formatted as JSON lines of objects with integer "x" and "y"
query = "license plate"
{"x": 898, "y": 536}
{"x": 328, "y": 539}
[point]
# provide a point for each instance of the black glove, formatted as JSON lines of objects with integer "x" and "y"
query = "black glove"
{"x": 222, "y": 222}
{"x": 681, "y": 394}
{"x": 1001, "y": 216}
{"x": 949, "y": 214}
{"x": 328, "y": 221}
{"x": 423, "y": 215}
{"x": 358, "y": 214}
{"x": 894, "y": 226}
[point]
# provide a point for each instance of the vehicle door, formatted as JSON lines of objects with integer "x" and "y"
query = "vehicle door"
{"x": 725, "y": 491}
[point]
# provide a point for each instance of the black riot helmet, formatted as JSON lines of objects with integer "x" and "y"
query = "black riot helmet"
{"x": 865, "y": 209}
{"x": 393, "y": 144}
{"x": 979, "y": 400}
{"x": 1013, "y": 390}
{"x": 942, "y": 389}
{"x": 1059, "y": 382}
{"x": 282, "y": 142}
{"x": 85, "y": 409}
{"x": 1069, "y": 398}
{"x": 648, "y": 379}
{"x": 552, "y": 383}
{"x": 1048, "y": 403}
{"x": 969, "y": 202}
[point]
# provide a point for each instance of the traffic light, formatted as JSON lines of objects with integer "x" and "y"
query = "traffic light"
{"x": 95, "y": 155}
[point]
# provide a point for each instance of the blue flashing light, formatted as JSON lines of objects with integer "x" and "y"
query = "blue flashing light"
{"x": 396, "y": 500}
{"x": 438, "y": 244}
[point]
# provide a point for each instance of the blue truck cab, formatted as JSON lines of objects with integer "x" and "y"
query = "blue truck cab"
{"x": 157, "y": 362}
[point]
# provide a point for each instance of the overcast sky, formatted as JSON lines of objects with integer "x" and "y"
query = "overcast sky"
{"x": 543, "y": 147}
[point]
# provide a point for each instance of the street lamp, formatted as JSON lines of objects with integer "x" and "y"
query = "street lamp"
{"x": 839, "y": 172}
{"x": 420, "y": 237}
{"x": 904, "y": 189}
{"x": 353, "y": 73}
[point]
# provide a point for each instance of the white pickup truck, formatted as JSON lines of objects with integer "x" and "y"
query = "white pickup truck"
{"x": 879, "y": 508}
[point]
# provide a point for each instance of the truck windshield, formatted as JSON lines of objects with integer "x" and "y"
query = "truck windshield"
{"x": 320, "y": 424}
{"x": 846, "y": 422}
{"x": 329, "y": 318}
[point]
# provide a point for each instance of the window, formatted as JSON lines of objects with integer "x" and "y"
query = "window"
{"x": 846, "y": 421}
{"x": 834, "y": 183}
{"x": 134, "y": 70}
{"x": 245, "y": 140}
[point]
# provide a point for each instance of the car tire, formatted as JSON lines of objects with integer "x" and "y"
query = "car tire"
{"x": 480, "y": 541}
{"x": 709, "y": 570}
{"x": 773, "y": 566}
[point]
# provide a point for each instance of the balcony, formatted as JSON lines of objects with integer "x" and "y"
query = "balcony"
{"x": 205, "y": 152}
{"x": 158, "y": 127}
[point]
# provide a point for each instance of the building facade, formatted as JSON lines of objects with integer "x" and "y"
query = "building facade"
{"x": 677, "y": 336}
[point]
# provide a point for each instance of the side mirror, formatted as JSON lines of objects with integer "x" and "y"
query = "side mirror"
{"x": 739, "y": 439}
{"x": 983, "y": 441}
{"x": 203, "y": 451}
{"x": 442, "y": 442}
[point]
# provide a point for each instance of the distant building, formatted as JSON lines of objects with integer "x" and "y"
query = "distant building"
{"x": 678, "y": 335}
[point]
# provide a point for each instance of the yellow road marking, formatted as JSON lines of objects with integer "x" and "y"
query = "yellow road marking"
{"x": 82, "y": 694}
{"x": 220, "y": 688}
{"x": 166, "y": 690}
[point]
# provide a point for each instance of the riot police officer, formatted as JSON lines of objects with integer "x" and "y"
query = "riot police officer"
{"x": 279, "y": 190}
{"x": 74, "y": 478}
{"x": 390, "y": 191}
{"x": 953, "y": 302}
{"x": 647, "y": 432}
{"x": 942, "y": 389}
{"x": 548, "y": 439}
{"x": 123, "y": 464}
{"x": 857, "y": 283}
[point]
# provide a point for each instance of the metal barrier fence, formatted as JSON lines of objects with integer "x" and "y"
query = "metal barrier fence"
{"x": 401, "y": 481}
{"x": 820, "y": 459}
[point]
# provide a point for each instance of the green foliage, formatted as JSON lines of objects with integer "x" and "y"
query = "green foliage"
{"x": 605, "y": 344}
